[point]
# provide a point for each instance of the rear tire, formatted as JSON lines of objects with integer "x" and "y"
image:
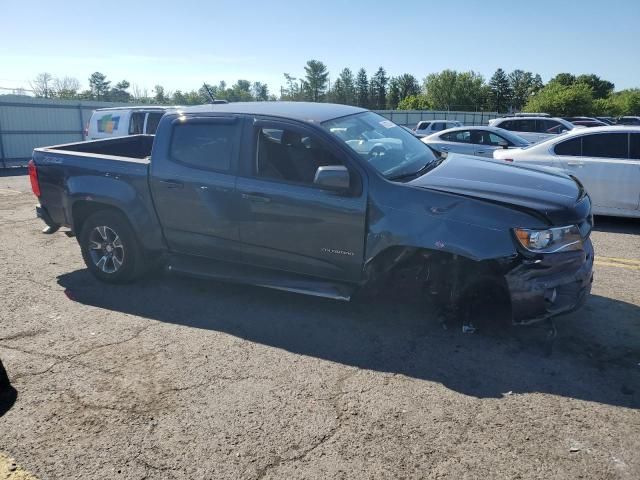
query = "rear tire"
{"x": 110, "y": 248}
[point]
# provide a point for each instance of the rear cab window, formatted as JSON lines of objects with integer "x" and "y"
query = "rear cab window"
{"x": 208, "y": 143}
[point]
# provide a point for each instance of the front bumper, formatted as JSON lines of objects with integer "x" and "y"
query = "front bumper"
{"x": 553, "y": 285}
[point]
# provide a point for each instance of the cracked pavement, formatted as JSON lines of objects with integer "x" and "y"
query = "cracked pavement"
{"x": 174, "y": 378}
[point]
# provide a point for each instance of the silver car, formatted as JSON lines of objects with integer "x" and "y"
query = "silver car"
{"x": 533, "y": 128}
{"x": 480, "y": 141}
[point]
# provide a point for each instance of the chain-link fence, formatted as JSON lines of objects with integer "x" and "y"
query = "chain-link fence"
{"x": 27, "y": 123}
{"x": 410, "y": 118}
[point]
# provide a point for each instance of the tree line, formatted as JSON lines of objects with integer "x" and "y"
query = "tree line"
{"x": 519, "y": 90}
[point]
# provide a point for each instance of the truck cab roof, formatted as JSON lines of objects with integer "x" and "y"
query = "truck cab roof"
{"x": 302, "y": 111}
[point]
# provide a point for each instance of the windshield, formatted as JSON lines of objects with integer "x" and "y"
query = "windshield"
{"x": 390, "y": 149}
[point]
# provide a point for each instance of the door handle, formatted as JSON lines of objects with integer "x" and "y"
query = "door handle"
{"x": 481, "y": 151}
{"x": 446, "y": 149}
{"x": 574, "y": 163}
{"x": 172, "y": 183}
{"x": 256, "y": 197}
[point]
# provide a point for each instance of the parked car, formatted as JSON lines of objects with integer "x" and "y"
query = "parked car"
{"x": 572, "y": 119}
{"x": 606, "y": 160}
{"x": 607, "y": 120}
{"x": 531, "y": 114}
{"x": 589, "y": 123}
{"x": 628, "y": 120}
{"x": 480, "y": 141}
{"x": 369, "y": 142}
{"x": 119, "y": 121}
{"x": 534, "y": 128}
{"x": 427, "y": 127}
{"x": 270, "y": 193}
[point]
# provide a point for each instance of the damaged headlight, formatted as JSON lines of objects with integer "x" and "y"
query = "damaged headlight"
{"x": 550, "y": 240}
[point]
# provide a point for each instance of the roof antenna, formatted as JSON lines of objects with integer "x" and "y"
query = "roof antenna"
{"x": 211, "y": 97}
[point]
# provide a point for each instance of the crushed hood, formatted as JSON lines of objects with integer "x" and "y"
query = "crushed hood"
{"x": 554, "y": 195}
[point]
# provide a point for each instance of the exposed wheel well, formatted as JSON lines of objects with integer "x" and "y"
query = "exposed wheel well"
{"x": 83, "y": 209}
{"x": 451, "y": 280}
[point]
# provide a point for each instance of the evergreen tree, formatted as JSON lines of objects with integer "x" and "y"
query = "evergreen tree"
{"x": 500, "y": 91}
{"x": 378, "y": 89}
{"x": 338, "y": 94}
{"x": 316, "y": 79}
{"x": 99, "y": 85}
{"x": 362, "y": 89}
{"x": 349, "y": 85}
{"x": 393, "y": 98}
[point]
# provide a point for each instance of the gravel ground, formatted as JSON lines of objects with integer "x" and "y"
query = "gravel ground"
{"x": 180, "y": 378}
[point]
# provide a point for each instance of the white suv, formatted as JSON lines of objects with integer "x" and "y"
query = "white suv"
{"x": 427, "y": 127}
{"x": 534, "y": 129}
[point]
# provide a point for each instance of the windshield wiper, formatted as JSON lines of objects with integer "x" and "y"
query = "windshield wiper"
{"x": 410, "y": 176}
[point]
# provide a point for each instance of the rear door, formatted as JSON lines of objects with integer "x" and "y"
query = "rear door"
{"x": 193, "y": 184}
{"x": 456, "y": 142}
{"x": 526, "y": 128}
{"x": 287, "y": 222}
{"x": 485, "y": 142}
{"x": 604, "y": 168}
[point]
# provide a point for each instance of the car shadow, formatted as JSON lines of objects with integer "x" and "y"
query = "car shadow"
{"x": 8, "y": 394}
{"x": 399, "y": 336}
{"x": 617, "y": 225}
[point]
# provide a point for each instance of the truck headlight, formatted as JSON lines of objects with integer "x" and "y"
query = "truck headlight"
{"x": 549, "y": 240}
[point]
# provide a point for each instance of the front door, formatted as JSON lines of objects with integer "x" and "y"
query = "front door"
{"x": 193, "y": 186}
{"x": 287, "y": 222}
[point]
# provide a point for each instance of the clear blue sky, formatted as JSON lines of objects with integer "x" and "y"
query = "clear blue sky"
{"x": 180, "y": 44}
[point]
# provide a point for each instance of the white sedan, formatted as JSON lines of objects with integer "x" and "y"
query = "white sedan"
{"x": 606, "y": 160}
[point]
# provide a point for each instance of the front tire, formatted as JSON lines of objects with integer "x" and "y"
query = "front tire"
{"x": 110, "y": 248}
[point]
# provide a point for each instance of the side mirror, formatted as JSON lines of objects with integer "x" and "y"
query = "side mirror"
{"x": 332, "y": 177}
{"x": 504, "y": 144}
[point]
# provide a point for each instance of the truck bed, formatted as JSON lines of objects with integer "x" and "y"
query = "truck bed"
{"x": 133, "y": 146}
{"x": 111, "y": 172}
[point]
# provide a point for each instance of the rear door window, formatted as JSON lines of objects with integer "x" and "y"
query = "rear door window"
{"x": 153, "y": 119}
{"x": 136, "y": 123}
{"x": 208, "y": 146}
{"x": 550, "y": 126}
{"x": 572, "y": 148}
{"x": 634, "y": 151}
{"x": 484, "y": 137}
{"x": 606, "y": 145}
{"x": 524, "y": 125}
{"x": 463, "y": 136}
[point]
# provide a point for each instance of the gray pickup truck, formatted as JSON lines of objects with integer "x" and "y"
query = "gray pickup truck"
{"x": 321, "y": 199}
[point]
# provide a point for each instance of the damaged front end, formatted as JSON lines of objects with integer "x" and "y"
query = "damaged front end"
{"x": 551, "y": 284}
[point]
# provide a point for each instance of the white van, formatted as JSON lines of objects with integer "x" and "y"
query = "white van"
{"x": 121, "y": 121}
{"x": 428, "y": 127}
